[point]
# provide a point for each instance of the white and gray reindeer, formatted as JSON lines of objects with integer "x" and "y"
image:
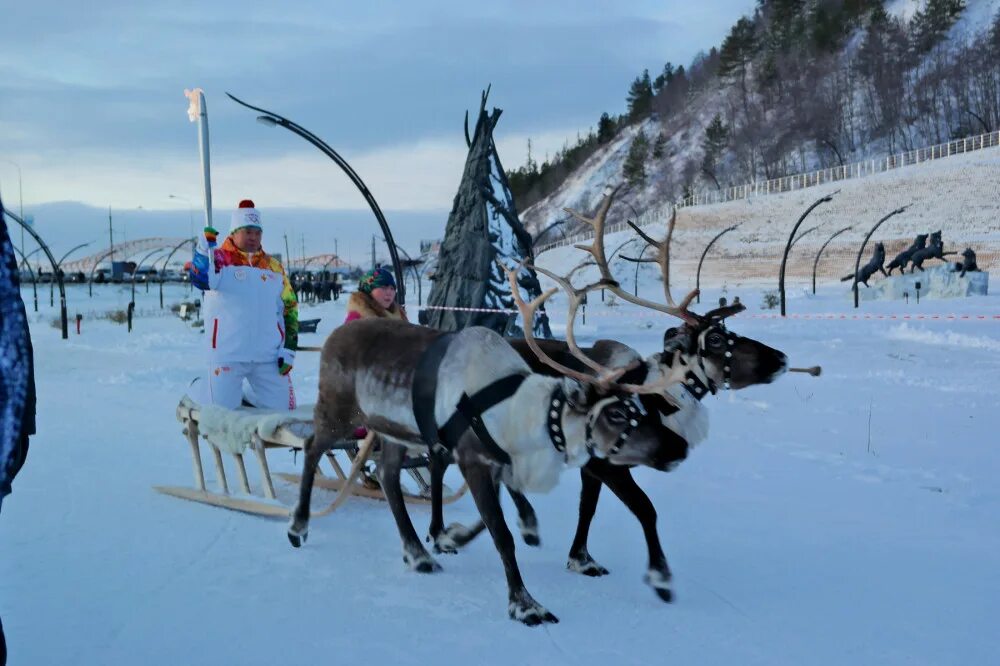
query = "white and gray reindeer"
{"x": 471, "y": 392}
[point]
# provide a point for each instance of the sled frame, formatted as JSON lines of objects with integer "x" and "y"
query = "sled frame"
{"x": 358, "y": 480}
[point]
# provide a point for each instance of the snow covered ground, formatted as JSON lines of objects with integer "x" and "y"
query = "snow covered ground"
{"x": 846, "y": 519}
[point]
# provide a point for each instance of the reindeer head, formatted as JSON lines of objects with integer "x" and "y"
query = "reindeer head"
{"x": 609, "y": 420}
{"x": 594, "y": 408}
{"x": 713, "y": 357}
{"x": 702, "y": 351}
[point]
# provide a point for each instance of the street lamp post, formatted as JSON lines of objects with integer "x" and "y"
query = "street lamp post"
{"x": 190, "y": 210}
{"x": 272, "y": 119}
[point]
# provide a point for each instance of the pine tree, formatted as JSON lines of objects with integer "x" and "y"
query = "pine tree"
{"x": 605, "y": 129}
{"x": 659, "y": 145}
{"x": 713, "y": 144}
{"x": 663, "y": 78}
{"x": 634, "y": 168}
{"x": 738, "y": 49}
{"x": 640, "y": 97}
{"x": 930, "y": 24}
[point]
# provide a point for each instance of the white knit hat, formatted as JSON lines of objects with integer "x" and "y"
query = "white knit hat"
{"x": 245, "y": 215}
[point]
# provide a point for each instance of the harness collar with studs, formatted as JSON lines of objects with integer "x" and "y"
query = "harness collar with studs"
{"x": 557, "y": 433}
{"x": 700, "y": 383}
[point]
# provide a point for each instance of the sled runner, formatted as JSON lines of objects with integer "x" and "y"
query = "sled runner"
{"x": 236, "y": 431}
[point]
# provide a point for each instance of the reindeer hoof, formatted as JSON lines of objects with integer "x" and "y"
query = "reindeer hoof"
{"x": 445, "y": 544}
{"x": 660, "y": 582}
{"x": 422, "y": 563}
{"x": 297, "y": 535}
{"x": 530, "y": 613}
{"x": 530, "y": 535}
{"x": 587, "y": 566}
{"x": 457, "y": 534}
{"x": 529, "y": 531}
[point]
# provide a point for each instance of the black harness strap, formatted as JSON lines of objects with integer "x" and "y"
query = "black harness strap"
{"x": 469, "y": 410}
{"x": 469, "y": 413}
{"x": 425, "y": 388}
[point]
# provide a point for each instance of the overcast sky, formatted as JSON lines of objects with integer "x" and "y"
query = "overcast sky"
{"x": 93, "y": 111}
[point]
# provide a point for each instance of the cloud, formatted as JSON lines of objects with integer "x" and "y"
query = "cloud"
{"x": 423, "y": 175}
{"x": 93, "y": 103}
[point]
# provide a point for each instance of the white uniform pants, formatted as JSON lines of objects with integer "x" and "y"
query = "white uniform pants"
{"x": 268, "y": 388}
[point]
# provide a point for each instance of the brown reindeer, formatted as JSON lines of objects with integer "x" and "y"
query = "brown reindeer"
{"x": 715, "y": 356}
{"x": 471, "y": 396}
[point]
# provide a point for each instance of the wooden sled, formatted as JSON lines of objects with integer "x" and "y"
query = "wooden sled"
{"x": 359, "y": 480}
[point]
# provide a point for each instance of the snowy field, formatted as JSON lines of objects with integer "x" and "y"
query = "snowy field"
{"x": 846, "y": 519}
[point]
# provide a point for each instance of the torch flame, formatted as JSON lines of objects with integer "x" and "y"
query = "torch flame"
{"x": 194, "y": 109}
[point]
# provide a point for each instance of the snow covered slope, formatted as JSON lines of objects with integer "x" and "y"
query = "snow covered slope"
{"x": 959, "y": 195}
{"x": 846, "y": 519}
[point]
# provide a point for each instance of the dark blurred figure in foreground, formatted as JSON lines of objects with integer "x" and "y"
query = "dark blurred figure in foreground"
{"x": 17, "y": 377}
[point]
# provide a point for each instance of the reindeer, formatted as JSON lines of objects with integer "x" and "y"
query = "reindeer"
{"x": 713, "y": 357}
{"x": 470, "y": 396}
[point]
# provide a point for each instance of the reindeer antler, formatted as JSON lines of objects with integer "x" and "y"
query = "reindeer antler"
{"x": 575, "y": 300}
{"x": 663, "y": 254}
{"x": 605, "y": 376}
{"x": 596, "y": 249}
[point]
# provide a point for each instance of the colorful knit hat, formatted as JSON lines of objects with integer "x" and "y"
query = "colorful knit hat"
{"x": 375, "y": 278}
{"x": 245, "y": 215}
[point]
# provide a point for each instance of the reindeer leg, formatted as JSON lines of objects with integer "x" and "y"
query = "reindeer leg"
{"x": 579, "y": 558}
{"x": 437, "y": 534}
{"x": 486, "y": 493}
{"x": 621, "y": 483}
{"x": 315, "y": 447}
{"x": 414, "y": 554}
{"x": 527, "y": 520}
{"x": 457, "y": 535}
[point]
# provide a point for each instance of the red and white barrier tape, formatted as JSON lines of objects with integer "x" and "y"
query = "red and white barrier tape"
{"x": 641, "y": 314}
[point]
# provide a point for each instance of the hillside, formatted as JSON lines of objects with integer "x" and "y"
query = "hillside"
{"x": 886, "y": 88}
{"x": 957, "y": 195}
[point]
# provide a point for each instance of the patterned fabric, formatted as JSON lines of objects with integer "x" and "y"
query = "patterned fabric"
{"x": 375, "y": 278}
{"x": 231, "y": 256}
{"x": 17, "y": 378}
{"x": 364, "y": 306}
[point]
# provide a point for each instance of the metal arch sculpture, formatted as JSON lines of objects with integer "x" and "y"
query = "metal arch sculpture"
{"x": 167, "y": 261}
{"x": 791, "y": 241}
{"x": 697, "y": 276}
{"x": 52, "y": 285}
{"x": 823, "y": 247}
{"x": 139, "y": 265}
{"x": 34, "y": 280}
{"x": 55, "y": 272}
{"x": 97, "y": 262}
{"x": 857, "y": 262}
{"x": 271, "y": 118}
{"x": 416, "y": 275}
{"x": 126, "y": 250}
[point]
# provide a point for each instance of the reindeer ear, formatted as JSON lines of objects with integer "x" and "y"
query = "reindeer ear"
{"x": 675, "y": 339}
{"x": 579, "y": 396}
